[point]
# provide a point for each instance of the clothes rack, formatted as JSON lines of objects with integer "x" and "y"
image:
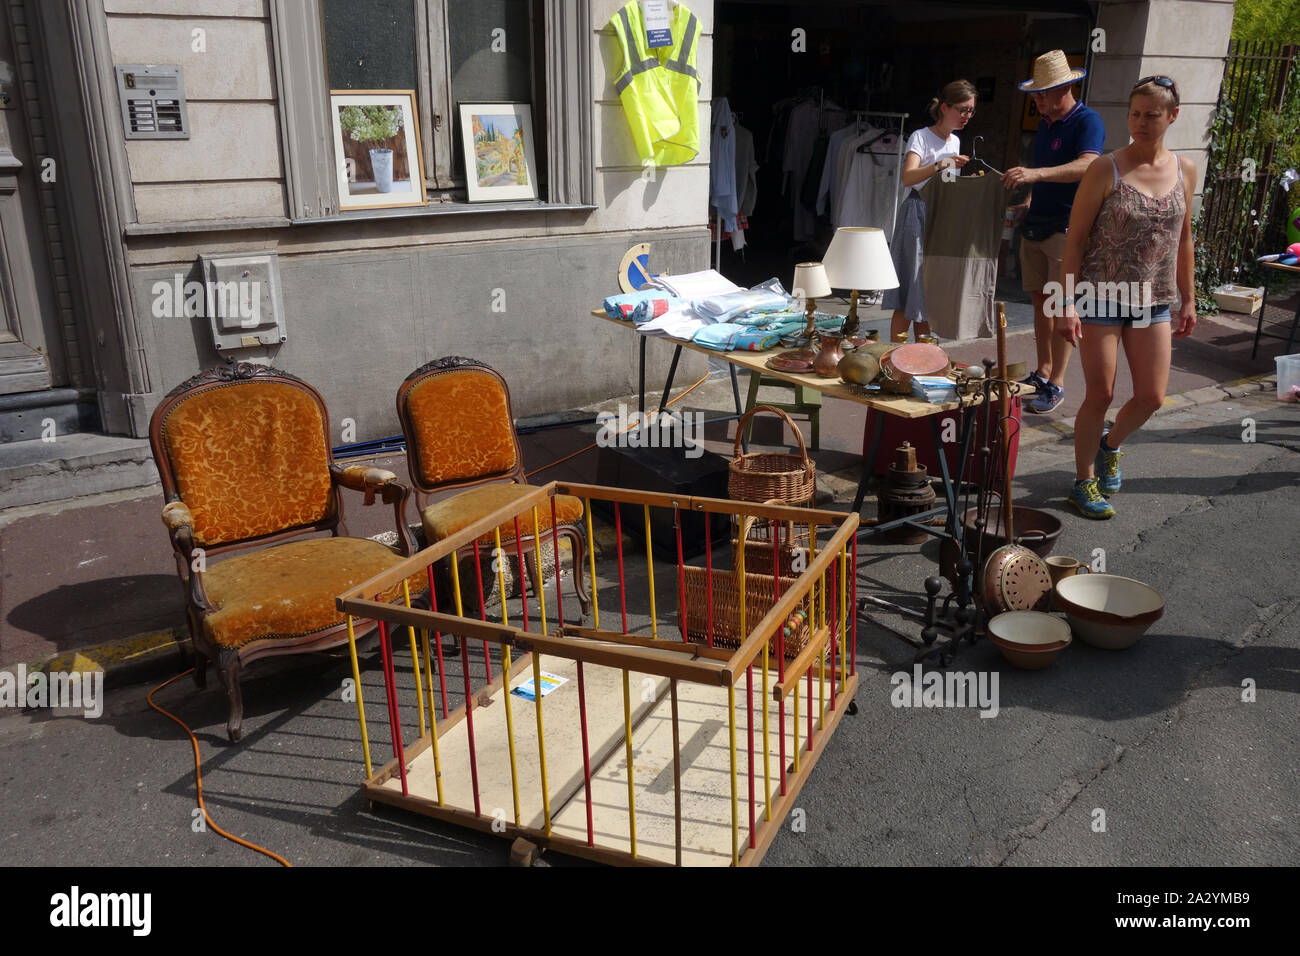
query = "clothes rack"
{"x": 899, "y": 119}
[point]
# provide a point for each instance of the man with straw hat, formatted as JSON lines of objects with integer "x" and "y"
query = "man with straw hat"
{"x": 1070, "y": 136}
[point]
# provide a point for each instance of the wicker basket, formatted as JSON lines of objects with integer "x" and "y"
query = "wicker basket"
{"x": 721, "y": 588}
{"x": 767, "y": 476}
{"x": 758, "y": 545}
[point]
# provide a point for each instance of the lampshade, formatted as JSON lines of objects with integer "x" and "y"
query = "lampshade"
{"x": 859, "y": 259}
{"x": 810, "y": 280}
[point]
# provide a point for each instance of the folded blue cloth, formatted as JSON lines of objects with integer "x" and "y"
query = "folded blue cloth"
{"x": 755, "y": 340}
{"x": 721, "y": 336}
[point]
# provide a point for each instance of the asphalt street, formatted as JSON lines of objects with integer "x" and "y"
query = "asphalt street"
{"x": 1158, "y": 738}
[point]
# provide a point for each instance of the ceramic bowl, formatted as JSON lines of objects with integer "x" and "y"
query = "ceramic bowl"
{"x": 1106, "y": 610}
{"x": 1030, "y": 640}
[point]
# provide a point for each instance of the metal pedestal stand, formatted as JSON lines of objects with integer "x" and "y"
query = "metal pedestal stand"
{"x": 945, "y": 626}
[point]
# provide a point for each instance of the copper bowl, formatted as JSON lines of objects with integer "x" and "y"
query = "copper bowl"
{"x": 1036, "y": 530}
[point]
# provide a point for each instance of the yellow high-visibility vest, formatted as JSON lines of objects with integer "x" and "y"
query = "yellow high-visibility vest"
{"x": 659, "y": 87}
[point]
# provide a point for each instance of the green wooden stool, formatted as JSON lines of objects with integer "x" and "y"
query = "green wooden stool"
{"x": 807, "y": 401}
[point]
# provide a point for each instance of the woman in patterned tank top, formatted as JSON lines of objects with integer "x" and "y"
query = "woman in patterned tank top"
{"x": 1128, "y": 256}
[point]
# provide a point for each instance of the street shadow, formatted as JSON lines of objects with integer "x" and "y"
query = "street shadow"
{"x": 1049, "y": 489}
{"x": 90, "y": 612}
{"x": 299, "y": 764}
{"x": 1151, "y": 677}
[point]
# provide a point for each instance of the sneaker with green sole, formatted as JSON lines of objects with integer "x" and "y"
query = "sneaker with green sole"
{"x": 1108, "y": 473}
{"x": 1087, "y": 498}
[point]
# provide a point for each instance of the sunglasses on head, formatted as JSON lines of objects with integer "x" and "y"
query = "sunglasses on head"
{"x": 1164, "y": 81}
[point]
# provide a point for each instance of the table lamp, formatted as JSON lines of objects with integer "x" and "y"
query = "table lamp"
{"x": 811, "y": 284}
{"x": 858, "y": 258}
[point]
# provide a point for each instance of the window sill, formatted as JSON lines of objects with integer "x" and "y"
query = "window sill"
{"x": 444, "y": 209}
{"x": 355, "y": 215}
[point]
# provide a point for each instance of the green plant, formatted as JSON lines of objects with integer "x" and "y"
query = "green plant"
{"x": 1244, "y": 126}
{"x": 370, "y": 124}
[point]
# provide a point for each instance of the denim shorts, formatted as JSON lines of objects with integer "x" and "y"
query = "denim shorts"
{"x": 1111, "y": 312}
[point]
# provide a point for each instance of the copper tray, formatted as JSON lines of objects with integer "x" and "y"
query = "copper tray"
{"x": 795, "y": 363}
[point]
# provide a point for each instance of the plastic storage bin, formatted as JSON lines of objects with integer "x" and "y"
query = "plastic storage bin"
{"x": 1288, "y": 375}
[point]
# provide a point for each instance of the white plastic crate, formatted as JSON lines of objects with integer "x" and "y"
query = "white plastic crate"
{"x": 1288, "y": 375}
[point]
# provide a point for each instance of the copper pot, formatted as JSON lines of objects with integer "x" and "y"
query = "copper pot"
{"x": 902, "y": 362}
{"x": 827, "y": 362}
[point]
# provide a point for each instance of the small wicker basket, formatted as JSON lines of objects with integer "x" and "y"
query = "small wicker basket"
{"x": 768, "y": 476}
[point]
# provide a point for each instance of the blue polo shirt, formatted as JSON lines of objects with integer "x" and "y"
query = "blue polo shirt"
{"x": 1078, "y": 131}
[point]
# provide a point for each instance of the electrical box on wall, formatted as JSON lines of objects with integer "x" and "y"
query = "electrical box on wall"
{"x": 242, "y": 300}
{"x": 152, "y": 99}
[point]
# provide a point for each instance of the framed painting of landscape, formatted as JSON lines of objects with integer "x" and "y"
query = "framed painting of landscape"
{"x": 498, "y": 142}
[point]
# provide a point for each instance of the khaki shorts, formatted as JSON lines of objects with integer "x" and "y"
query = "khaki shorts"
{"x": 1040, "y": 262}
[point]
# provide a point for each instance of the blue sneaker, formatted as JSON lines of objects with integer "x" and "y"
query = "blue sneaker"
{"x": 1048, "y": 397}
{"x": 1034, "y": 379}
{"x": 1107, "y": 465}
{"x": 1087, "y": 498}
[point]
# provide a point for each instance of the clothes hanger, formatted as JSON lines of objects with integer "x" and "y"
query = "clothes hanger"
{"x": 976, "y": 158}
{"x": 866, "y": 147}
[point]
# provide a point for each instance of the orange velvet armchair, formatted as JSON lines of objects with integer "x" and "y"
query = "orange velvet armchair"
{"x": 460, "y": 433}
{"x": 243, "y": 452}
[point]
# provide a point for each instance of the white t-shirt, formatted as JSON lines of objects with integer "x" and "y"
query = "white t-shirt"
{"x": 931, "y": 149}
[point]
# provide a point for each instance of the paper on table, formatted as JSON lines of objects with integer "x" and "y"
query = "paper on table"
{"x": 677, "y": 323}
{"x": 697, "y": 285}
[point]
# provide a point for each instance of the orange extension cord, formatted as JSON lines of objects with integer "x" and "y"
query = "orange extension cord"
{"x": 581, "y": 451}
{"x": 198, "y": 774}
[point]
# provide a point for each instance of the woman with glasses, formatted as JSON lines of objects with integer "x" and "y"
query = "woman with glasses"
{"x": 1128, "y": 256}
{"x": 929, "y": 150}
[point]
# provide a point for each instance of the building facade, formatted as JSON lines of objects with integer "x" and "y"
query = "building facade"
{"x": 97, "y": 223}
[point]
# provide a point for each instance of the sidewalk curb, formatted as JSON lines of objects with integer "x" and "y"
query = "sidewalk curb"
{"x": 129, "y": 660}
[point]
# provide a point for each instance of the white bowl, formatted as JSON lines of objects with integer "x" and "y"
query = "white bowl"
{"x": 1029, "y": 639}
{"x": 1108, "y": 611}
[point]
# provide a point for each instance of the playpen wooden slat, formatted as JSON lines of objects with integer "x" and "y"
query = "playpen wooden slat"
{"x": 523, "y": 572}
{"x": 555, "y": 554}
{"x": 361, "y": 707}
{"x": 641, "y": 640}
{"x": 591, "y": 556}
{"x": 622, "y": 586}
{"x": 415, "y": 661}
{"x": 437, "y": 642}
{"x": 650, "y": 570}
{"x": 469, "y": 694}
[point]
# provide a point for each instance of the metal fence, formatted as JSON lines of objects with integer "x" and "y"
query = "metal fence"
{"x": 1240, "y": 197}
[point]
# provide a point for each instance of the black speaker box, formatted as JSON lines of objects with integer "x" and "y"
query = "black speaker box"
{"x": 667, "y": 470}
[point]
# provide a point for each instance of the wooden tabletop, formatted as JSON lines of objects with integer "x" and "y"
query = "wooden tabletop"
{"x": 1280, "y": 267}
{"x": 901, "y": 406}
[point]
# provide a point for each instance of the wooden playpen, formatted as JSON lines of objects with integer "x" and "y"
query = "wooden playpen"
{"x": 664, "y": 747}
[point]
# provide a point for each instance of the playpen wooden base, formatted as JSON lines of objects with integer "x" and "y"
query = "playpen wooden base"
{"x": 705, "y": 792}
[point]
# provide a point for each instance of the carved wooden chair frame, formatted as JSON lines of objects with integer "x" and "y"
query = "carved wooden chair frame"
{"x": 528, "y": 543}
{"x": 370, "y": 481}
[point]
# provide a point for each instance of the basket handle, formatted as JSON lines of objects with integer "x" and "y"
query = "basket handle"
{"x": 735, "y": 558}
{"x": 740, "y": 431}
